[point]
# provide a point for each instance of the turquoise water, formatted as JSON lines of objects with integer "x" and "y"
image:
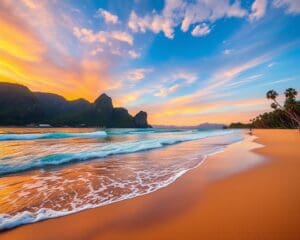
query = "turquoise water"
{"x": 47, "y": 173}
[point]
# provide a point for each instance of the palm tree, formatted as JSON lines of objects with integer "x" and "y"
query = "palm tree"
{"x": 272, "y": 94}
{"x": 289, "y": 105}
{"x": 290, "y": 102}
{"x": 290, "y": 93}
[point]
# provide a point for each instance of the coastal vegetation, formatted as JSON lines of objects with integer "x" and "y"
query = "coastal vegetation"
{"x": 282, "y": 116}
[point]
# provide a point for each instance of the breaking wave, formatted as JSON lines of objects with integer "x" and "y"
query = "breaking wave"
{"x": 56, "y": 135}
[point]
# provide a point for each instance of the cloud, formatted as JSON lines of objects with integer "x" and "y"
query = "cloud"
{"x": 166, "y": 91}
{"x": 132, "y": 98}
{"x": 18, "y": 40}
{"x": 258, "y": 9}
{"x": 174, "y": 82}
{"x": 137, "y": 74}
{"x": 89, "y": 36}
{"x": 291, "y": 6}
{"x": 154, "y": 22}
{"x": 107, "y": 16}
{"x": 196, "y": 113}
{"x": 186, "y": 76}
{"x": 51, "y": 21}
{"x": 125, "y": 100}
{"x": 245, "y": 80}
{"x": 201, "y": 30}
{"x": 271, "y": 64}
{"x": 30, "y": 4}
{"x": 220, "y": 78}
{"x": 134, "y": 24}
{"x": 228, "y": 51}
{"x": 122, "y": 36}
{"x": 210, "y": 11}
{"x": 133, "y": 54}
{"x": 97, "y": 50}
{"x": 115, "y": 50}
{"x": 181, "y": 13}
{"x": 278, "y": 81}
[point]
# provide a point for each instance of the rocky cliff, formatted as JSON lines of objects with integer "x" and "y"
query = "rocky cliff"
{"x": 20, "y": 106}
{"x": 140, "y": 120}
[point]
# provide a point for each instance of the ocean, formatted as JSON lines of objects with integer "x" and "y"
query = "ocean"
{"x": 47, "y": 173}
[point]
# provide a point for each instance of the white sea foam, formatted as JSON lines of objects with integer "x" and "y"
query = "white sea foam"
{"x": 55, "y": 135}
{"x": 8, "y": 221}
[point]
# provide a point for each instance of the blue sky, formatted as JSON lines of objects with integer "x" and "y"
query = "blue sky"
{"x": 184, "y": 62}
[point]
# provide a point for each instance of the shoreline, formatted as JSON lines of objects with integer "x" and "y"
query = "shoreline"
{"x": 157, "y": 216}
{"x": 247, "y": 140}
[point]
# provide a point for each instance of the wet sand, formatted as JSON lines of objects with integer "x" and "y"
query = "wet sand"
{"x": 213, "y": 201}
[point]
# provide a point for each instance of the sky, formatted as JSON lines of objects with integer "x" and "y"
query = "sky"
{"x": 183, "y": 62}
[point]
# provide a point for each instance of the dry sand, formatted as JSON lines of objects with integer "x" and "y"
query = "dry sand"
{"x": 260, "y": 203}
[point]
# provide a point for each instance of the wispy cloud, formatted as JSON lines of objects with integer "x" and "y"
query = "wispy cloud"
{"x": 97, "y": 50}
{"x": 166, "y": 91}
{"x": 219, "y": 79}
{"x": 278, "y": 81}
{"x": 137, "y": 74}
{"x": 291, "y": 6}
{"x": 187, "y": 76}
{"x": 201, "y": 30}
{"x": 217, "y": 111}
{"x": 258, "y": 9}
{"x": 89, "y": 36}
{"x": 107, "y": 16}
{"x": 245, "y": 80}
{"x": 271, "y": 64}
{"x": 134, "y": 54}
{"x": 228, "y": 51}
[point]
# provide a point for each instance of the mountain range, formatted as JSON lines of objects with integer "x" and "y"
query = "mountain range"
{"x": 202, "y": 126}
{"x": 19, "y": 107}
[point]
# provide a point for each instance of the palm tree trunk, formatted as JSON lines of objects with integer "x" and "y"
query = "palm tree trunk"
{"x": 291, "y": 115}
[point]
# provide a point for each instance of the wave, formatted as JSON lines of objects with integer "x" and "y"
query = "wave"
{"x": 127, "y": 131}
{"x": 83, "y": 186}
{"x": 61, "y": 135}
{"x": 104, "y": 150}
{"x": 56, "y": 135}
{"x": 10, "y": 221}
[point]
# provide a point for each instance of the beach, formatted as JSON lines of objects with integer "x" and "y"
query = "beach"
{"x": 219, "y": 199}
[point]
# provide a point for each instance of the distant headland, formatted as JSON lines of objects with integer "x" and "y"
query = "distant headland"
{"x": 21, "y": 107}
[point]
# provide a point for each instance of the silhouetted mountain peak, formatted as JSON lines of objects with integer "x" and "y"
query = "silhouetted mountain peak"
{"x": 17, "y": 104}
{"x": 13, "y": 87}
{"x": 103, "y": 97}
{"x": 104, "y": 101}
{"x": 140, "y": 120}
{"x": 20, "y": 106}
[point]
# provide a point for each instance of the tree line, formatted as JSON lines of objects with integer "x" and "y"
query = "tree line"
{"x": 282, "y": 116}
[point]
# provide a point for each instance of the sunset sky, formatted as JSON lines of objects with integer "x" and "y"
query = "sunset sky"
{"x": 184, "y": 62}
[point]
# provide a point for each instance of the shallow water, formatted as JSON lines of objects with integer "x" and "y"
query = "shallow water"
{"x": 42, "y": 178}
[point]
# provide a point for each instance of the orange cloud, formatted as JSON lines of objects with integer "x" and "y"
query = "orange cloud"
{"x": 25, "y": 58}
{"x": 218, "y": 112}
{"x": 17, "y": 40}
